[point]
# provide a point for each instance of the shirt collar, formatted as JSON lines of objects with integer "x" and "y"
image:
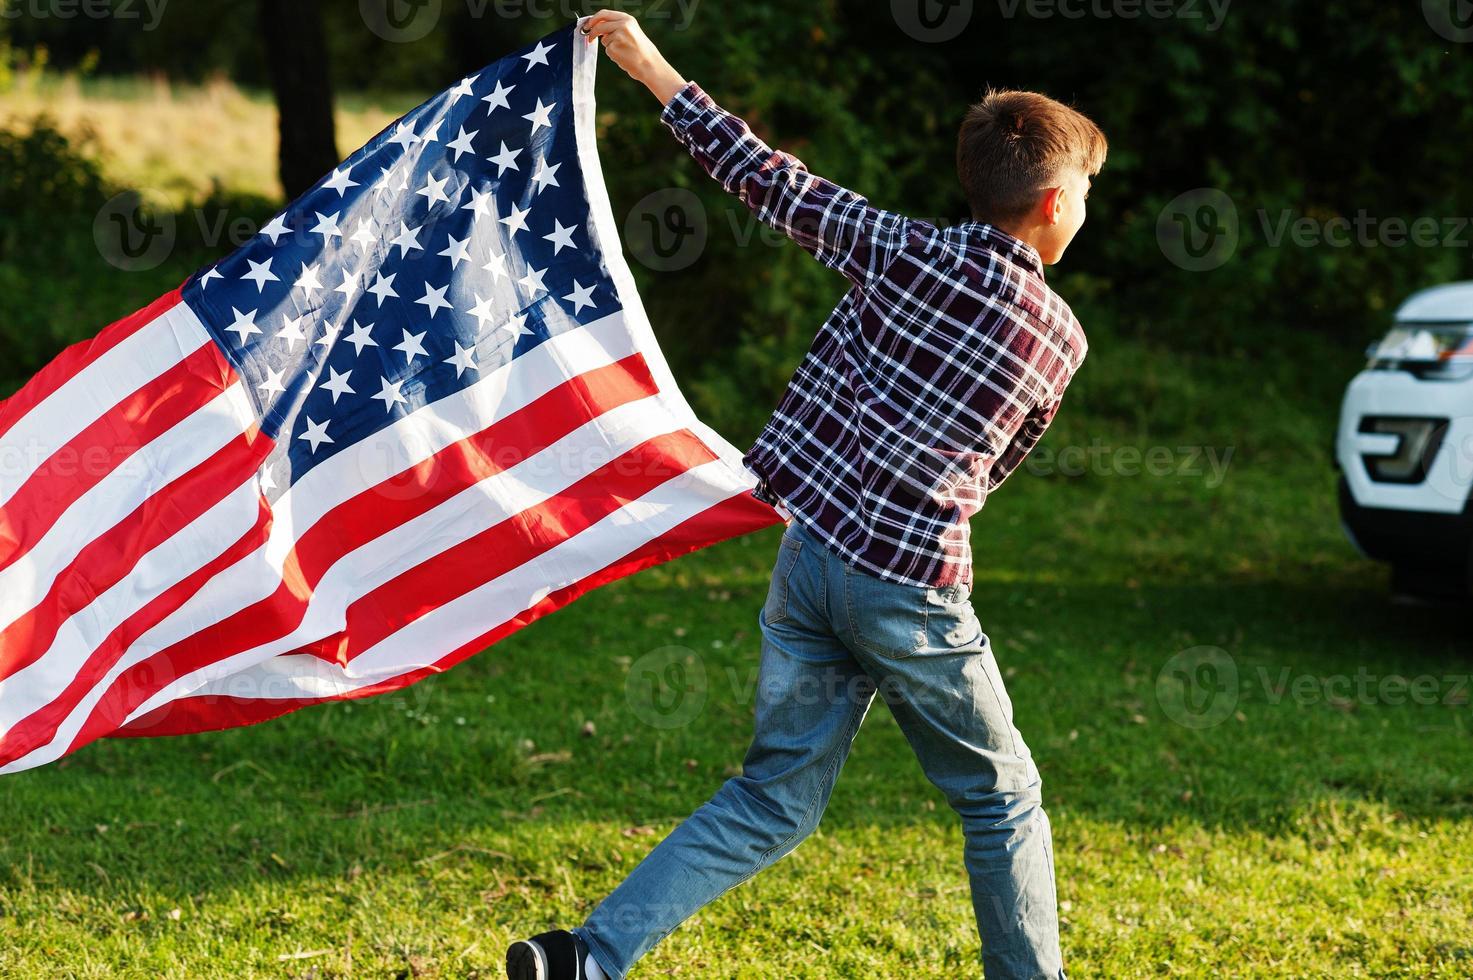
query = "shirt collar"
{"x": 995, "y": 239}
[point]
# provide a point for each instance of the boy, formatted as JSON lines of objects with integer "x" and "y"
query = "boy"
{"x": 931, "y": 381}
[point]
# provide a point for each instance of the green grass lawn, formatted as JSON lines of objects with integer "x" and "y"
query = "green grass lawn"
{"x": 414, "y": 835}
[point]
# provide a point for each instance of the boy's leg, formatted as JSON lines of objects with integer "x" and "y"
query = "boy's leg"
{"x": 933, "y": 665}
{"x": 811, "y": 698}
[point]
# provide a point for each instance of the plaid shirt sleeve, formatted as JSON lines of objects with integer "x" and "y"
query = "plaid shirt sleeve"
{"x": 1023, "y": 441}
{"x": 838, "y": 226}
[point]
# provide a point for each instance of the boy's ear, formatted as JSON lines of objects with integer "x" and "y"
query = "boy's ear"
{"x": 1051, "y": 207}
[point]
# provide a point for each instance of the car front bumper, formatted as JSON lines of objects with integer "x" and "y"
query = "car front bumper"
{"x": 1423, "y": 539}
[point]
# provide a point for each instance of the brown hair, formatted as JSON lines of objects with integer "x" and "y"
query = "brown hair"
{"x": 1015, "y": 144}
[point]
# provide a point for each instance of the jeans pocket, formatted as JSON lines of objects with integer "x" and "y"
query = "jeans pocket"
{"x": 951, "y": 623}
{"x": 775, "y": 609}
{"x": 888, "y": 619}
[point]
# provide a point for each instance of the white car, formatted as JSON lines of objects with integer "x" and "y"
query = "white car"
{"x": 1405, "y": 445}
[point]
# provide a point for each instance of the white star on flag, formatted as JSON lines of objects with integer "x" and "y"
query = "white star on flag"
{"x": 481, "y": 311}
{"x": 464, "y": 88}
{"x": 327, "y": 226}
{"x": 316, "y": 434}
{"x": 404, "y": 136}
{"x": 390, "y": 394}
{"x": 540, "y": 116}
{"x": 538, "y": 55}
{"x": 518, "y": 326}
{"x": 307, "y": 279}
{"x": 365, "y": 236}
{"x": 505, "y": 160}
{"x": 383, "y": 287}
{"x": 338, "y": 384}
{"x": 435, "y": 299}
{"x": 545, "y": 176}
{"x": 349, "y": 286}
{"x": 533, "y": 280}
{"x": 244, "y": 325}
{"x": 291, "y": 332}
{"x": 260, "y": 274}
{"x": 360, "y": 338}
{"x": 413, "y": 346}
{"x": 408, "y": 238}
{"x": 462, "y": 143}
{"x": 480, "y": 202}
{"x": 516, "y": 221}
{"x": 434, "y": 189}
{"x": 457, "y": 250}
{"x": 498, "y": 97}
{"x": 275, "y": 228}
{"x": 272, "y": 385}
{"x": 580, "y": 297}
{"x": 339, "y": 181}
{"x": 329, "y": 335}
{"x": 464, "y": 359}
{"x": 561, "y": 237}
{"x": 496, "y": 265}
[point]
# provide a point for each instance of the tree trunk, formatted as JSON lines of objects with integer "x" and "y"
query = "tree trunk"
{"x": 296, "y": 53}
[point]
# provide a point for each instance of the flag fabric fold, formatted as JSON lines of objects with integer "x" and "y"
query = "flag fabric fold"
{"x": 420, "y": 409}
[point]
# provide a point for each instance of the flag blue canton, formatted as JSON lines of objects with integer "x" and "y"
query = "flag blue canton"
{"x": 454, "y": 241}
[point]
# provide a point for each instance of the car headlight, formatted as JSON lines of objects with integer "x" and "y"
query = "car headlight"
{"x": 1436, "y": 351}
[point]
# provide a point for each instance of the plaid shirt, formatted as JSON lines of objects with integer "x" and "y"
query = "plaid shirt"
{"x": 930, "y": 382}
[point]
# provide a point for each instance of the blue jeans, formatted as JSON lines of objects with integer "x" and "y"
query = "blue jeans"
{"x": 833, "y": 637}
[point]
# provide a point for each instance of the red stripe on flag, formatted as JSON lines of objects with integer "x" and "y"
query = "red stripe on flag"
{"x": 379, "y": 510}
{"x": 76, "y": 357}
{"x": 40, "y": 726}
{"x": 111, "y": 556}
{"x": 116, "y": 436}
{"x": 731, "y": 518}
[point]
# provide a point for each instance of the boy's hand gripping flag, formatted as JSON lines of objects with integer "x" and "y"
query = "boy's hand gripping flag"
{"x": 420, "y": 409}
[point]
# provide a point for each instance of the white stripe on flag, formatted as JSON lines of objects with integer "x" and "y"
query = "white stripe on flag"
{"x": 93, "y": 392}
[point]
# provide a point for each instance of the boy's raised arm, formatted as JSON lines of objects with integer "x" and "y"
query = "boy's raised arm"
{"x": 838, "y": 226}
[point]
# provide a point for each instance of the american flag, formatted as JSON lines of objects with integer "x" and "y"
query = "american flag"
{"x": 420, "y": 409}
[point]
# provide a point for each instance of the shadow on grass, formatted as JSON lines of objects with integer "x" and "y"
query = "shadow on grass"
{"x": 398, "y": 779}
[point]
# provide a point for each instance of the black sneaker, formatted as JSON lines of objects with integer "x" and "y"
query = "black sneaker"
{"x": 551, "y": 956}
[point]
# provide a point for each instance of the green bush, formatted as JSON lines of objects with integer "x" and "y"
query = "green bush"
{"x": 58, "y": 282}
